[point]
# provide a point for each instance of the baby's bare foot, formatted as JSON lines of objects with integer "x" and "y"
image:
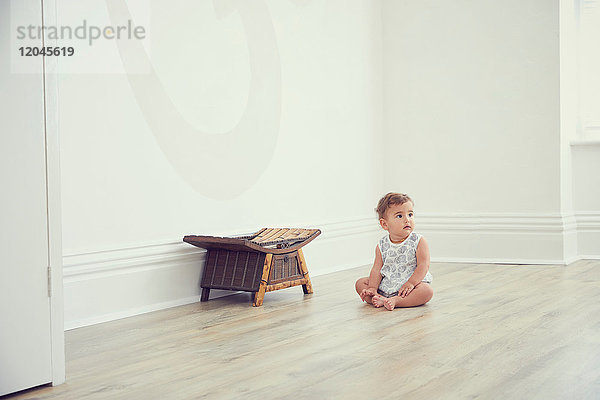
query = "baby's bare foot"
{"x": 377, "y": 301}
{"x": 390, "y": 303}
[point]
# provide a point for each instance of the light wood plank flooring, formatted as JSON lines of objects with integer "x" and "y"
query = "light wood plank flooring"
{"x": 490, "y": 332}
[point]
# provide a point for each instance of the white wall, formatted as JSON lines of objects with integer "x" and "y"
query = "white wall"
{"x": 471, "y": 114}
{"x": 586, "y": 196}
{"x": 584, "y": 147}
{"x": 233, "y": 116}
{"x": 569, "y": 113}
{"x": 261, "y": 114}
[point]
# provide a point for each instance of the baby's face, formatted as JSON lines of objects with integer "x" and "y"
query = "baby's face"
{"x": 399, "y": 221}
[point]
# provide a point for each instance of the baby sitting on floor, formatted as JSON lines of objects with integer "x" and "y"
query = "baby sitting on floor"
{"x": 400, "y": 275}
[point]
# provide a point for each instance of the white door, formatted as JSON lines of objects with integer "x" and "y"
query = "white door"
{"x": 25, "y": 331}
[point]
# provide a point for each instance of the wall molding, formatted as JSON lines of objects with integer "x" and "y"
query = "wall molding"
{"x": 588, "y": 234}
{"x": 116, "y": 283}
{"x": 92, "y": 264}
{"x": 549, "y": 223}
{"x": 148, "y": 256}
{"x": 109, "y": 284}
{"x": 588, "y": 220}
{"x": 100, "y": 264}
{"x": 501, "y": 238}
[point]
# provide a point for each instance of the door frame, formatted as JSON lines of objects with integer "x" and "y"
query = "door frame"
{"x": 51, "y": 128}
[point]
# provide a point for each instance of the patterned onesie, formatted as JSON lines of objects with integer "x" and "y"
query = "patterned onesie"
{"x": 399, "y": 263}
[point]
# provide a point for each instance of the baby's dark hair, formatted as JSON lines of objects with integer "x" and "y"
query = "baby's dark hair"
{"x": 391, "y": 199}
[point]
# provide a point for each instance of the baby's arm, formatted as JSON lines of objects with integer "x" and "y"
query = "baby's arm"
{"x": 374, "y": 276}
{"x": 420, "y": 271}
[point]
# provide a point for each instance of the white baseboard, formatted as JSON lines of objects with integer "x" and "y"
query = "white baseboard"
{"x": 500, "y": 238}
{"x": 589, "y": 257}
{"x": 112, "y": 316}
{"x": 503, "y": 261}
{"x": 106, "y": 285}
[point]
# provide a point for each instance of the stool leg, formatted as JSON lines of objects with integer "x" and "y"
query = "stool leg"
{"x": 307, "y": 287}
{"x": 260, "y": 295}
{"x": 205, "y": 292}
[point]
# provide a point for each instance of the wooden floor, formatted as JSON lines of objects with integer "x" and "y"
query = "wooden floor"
{"x": 490, "y": 332}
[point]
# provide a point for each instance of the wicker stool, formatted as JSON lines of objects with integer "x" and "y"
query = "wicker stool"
{"x": 270, "y": 259}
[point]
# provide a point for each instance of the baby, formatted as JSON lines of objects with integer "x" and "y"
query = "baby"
{"x": 400, "y": 275}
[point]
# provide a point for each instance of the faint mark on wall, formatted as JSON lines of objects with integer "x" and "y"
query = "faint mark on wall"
{"x": 225, "y": 165}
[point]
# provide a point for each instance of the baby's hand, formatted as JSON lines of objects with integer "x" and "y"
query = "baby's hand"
{"x": 406, "y": 289}
{"x": 366, "y": 292}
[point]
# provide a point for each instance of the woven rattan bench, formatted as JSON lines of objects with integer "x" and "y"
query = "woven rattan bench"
{"x": 270, "y": 259}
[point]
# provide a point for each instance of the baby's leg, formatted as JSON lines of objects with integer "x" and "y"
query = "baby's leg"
{"x": 420, "y": 295}
{"x": 362, "y": 283}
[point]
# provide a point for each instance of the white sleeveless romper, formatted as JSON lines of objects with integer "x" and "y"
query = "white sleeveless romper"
{"x": 399, "y": 263}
